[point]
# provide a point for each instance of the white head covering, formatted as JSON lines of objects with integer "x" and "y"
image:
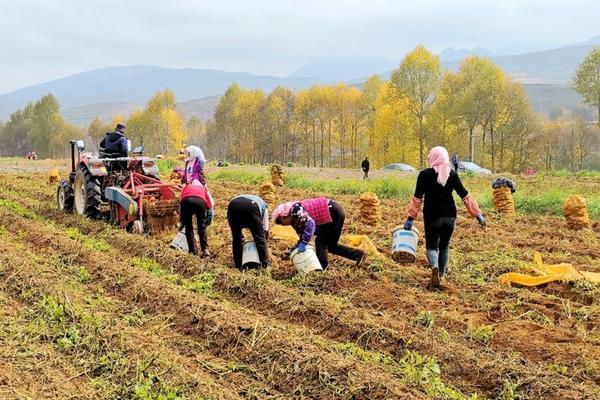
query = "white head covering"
{"x": 195, "y": 153}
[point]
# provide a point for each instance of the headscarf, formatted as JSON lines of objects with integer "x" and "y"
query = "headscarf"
{"x": 195, "y": 153}
{"x": 282, "y": 210}
{"x": 440, "y": 162}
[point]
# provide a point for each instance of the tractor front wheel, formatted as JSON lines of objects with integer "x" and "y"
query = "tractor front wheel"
{"x": 88, "y": 194}
{"x": 65, "y": 197}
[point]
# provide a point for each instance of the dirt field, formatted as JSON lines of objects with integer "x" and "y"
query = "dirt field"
{"x": 89, "y": 311}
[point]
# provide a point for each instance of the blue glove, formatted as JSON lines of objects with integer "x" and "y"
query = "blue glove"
{"x": 408, "y": 224}
{"x": 481, "y": 220}
{"x": 301, "y": 247}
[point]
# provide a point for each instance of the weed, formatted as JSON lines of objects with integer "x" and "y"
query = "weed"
{"x": 582, "y": 314}
{"x": 202, "y": 283}
{"x": 538, "y": 316}
{"x": 98, "y": 244}
{"x": 18, "y": 209}
{"x": 83, "y": 275}
{"x": 424, "y": 319}
{"x": 482, "y": 333}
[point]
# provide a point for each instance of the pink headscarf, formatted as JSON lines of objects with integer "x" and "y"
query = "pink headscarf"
{"x": 282, "y": 210}
{"x": 440, "y": 161}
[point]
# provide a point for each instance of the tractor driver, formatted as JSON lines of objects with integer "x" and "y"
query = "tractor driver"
{"x": 115, "y": 143}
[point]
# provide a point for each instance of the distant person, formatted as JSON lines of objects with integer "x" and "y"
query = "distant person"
{"x": 455, "y": 161}
{"x": 250, "y": 212}
{"x": 365, "y": 167}
{"x": 115, "y": 142}
{"x": 196, "y": 200}
{"x": 435, "y": 185}
{"x": 323, "y": 219}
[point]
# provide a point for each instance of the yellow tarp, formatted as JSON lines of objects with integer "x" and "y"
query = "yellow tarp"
{"x": 545, "y": 273}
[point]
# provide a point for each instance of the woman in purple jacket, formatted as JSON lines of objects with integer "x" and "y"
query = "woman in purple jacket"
{"x": 322, "y": 218}
{"x": 194, "y": 165}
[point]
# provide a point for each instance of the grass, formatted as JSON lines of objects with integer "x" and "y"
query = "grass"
{"x": 543, "y": 194}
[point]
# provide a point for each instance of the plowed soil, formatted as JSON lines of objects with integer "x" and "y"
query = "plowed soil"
{"x": 90, "y": 311}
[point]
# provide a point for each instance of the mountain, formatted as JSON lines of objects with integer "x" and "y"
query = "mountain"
{"x": 555, "y": 66}
{"x": 452, "y": 54}
{"x": 342, "y": 69}
{"x": 136, "y": 84}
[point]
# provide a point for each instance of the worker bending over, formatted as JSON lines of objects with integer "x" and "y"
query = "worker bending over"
{"x": 250, "y": 212}
{"x": 434, "y": 188}
{"x": 196, "y": 200}
{"x": 322, "y": 218}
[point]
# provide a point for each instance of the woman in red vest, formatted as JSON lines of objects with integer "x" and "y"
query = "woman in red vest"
{"x": 322, "y": 218}
{"x": 196, "y": 200}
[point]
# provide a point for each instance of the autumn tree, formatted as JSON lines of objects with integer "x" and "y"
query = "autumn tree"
{"x": 97, "y": 129}
{"x": 587, "y": 80}
{"x": 13, "y": 136}
{"x": 417, "y": 80}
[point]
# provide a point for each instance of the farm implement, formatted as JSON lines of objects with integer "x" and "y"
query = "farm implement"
{"x": 126, "y": 190}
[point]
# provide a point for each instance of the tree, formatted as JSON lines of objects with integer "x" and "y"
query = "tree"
{"x": 587, "y": 80}
{"x": 417, "y": 80}
{"x": 13, "y": 136}
{"x": 46, "y": 124}
{"x": 196, "y": 130}
{"x": 98, "y": 129}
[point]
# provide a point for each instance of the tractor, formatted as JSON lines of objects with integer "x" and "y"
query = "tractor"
{"x": 125, "y": 190}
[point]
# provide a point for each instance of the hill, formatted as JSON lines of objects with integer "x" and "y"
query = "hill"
{"x": 136, "y": 84}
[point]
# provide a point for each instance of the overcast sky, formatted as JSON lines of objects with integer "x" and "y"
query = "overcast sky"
{"x": 42, "y": 40}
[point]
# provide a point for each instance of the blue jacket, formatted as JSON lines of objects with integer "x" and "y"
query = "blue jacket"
{"x": 115, "y": 143}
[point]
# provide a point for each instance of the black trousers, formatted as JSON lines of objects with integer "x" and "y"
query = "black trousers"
{"x": 191, "y": 206}
{"x": 437, "y": 241}
{"x": 328, "y": 237}
{"x": 244, "y": 213}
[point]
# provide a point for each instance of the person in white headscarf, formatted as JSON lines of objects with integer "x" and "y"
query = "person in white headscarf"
{"x": 194, "y": 165}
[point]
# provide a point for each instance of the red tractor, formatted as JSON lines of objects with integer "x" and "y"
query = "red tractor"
{"x": 126, "y": 190}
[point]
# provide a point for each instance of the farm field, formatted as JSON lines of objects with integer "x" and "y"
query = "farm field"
{"x": 90, "y": 311}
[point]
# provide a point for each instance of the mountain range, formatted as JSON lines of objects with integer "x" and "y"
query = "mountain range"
{"x": 109, "y": 91}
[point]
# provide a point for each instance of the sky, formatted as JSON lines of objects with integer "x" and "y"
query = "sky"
{"x": 41, "y": 40}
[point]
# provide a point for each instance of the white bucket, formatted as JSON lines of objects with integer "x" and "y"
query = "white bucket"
{"x": 404, "y": 244}
{"x": 306, "y": 261}
{"x": 250, "y": 258}
{"x": 180, "y": 242}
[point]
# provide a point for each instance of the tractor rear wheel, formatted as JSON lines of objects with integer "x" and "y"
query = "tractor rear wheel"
{"x": 65, "y": 197}
{"x": 88, "y": 193}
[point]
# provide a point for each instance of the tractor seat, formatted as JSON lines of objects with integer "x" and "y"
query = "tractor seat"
{"x": 107, "y": 154}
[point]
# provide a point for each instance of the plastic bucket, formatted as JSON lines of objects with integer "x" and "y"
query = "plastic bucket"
{"x": 404, "y": 245}
{"x": 250, "y": 258}
{"x": 306, "y": 261}
{"x": 180, "y": 242}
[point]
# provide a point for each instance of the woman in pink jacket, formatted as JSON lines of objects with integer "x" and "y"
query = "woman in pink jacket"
{"x": 322, "y": 218}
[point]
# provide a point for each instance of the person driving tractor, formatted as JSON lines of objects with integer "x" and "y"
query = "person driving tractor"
{"x": 115, "y": 143}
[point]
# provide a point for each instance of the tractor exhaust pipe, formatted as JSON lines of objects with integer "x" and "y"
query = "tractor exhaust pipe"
{"x": 72, "y": 142}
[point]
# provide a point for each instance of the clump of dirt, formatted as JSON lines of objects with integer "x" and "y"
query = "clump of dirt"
{"x": 503, "y": 201}
{"x": 576, "y": 214}
{"x": 267, "y": 193}
{"x": 277, "y": 175}
{"x": 370, "y": 209}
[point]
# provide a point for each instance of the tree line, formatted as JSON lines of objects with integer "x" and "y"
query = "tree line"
{"x": 477, "y": 112}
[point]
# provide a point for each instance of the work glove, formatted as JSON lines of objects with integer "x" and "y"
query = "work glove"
{"x": 301, "y": 247}
{"x": 408, "y": 224}
{"x": 481, "y": 221}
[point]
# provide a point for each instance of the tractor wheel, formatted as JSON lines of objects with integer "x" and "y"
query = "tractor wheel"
{"x": 88, "y": 194}
{"x": 65, "y": 197}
